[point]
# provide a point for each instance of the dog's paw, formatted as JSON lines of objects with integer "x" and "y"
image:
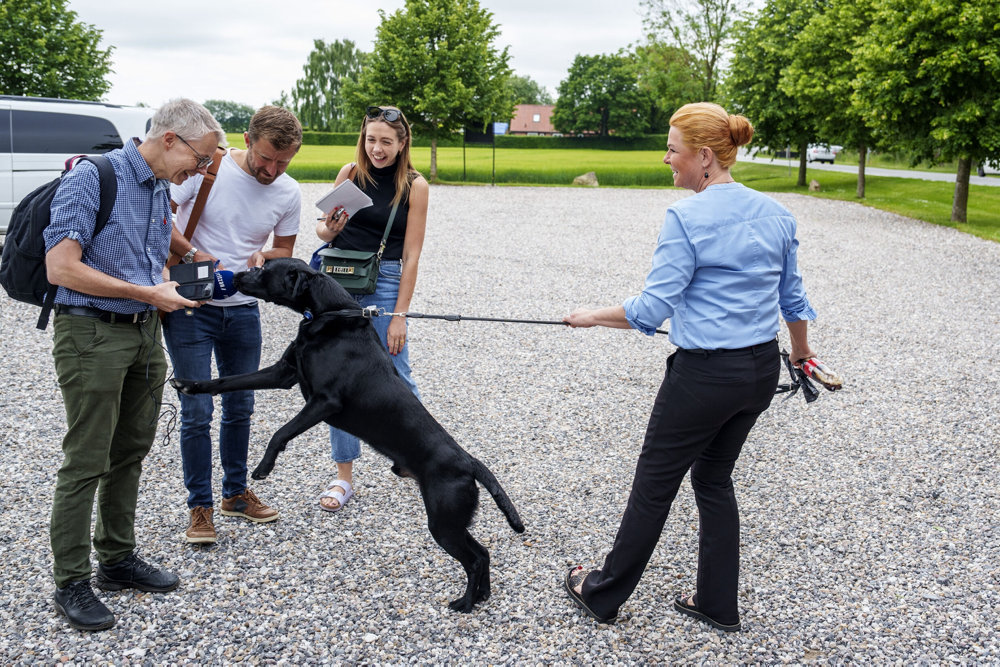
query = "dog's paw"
{"x": 462, "y": 605}
{"x": 263, "y": 468}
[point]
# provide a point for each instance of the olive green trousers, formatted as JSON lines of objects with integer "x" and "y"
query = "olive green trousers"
{"x": 111, "y": 377}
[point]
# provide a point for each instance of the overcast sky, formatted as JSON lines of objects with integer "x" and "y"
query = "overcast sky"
{"x": 250, "y": 50}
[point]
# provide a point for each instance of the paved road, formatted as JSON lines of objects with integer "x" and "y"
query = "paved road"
{"x": 793, "y": 163}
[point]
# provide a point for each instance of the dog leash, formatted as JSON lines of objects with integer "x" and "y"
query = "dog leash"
{"x": 459, "y": 318}
{"x": 369, "y": 312}
{"x": 799, "y": 379}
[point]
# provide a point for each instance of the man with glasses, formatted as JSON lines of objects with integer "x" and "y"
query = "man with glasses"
{"x": 108, "y": 355}
{"x": 251, "y": 199}
{"x": 204, "y": 161}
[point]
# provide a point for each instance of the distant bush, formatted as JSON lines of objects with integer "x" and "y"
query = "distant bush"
{"x": 650, "y": 142}
{"x": 311, "y": 138}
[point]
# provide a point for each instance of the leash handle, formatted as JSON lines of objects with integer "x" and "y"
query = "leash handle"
{"x": 450, "y": 318}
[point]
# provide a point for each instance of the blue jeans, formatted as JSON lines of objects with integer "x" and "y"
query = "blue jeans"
{"x": 233, "y": 335}
{"x": 344, "y": 446}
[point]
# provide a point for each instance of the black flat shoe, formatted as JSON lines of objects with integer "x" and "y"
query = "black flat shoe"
{"x": 574, "y": 578}
{"x": 77, "y": 602}
{"x": 134, "y": 572}
{"x": 681, "y": 605}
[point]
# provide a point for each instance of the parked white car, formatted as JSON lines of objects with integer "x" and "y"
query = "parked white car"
{"x": 822, "y": 153}
{"x": 38, "y": 135}
{"x": 987, "y": 168}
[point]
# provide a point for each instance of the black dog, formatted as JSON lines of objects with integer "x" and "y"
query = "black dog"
{"x": 348, "y": 381}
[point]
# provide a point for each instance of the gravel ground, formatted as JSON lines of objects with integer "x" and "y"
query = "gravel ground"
{"x": 869, "y": 517}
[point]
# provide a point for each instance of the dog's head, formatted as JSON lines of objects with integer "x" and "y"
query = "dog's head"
{"x": 293, "y": 283}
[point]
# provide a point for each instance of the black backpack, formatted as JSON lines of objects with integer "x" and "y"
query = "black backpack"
{"x": 22, "y": 266}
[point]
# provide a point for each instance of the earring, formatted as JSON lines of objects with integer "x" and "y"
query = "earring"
{"x": 706, "y": 174}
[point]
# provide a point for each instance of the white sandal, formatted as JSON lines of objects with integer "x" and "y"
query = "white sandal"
{"x": 331, "y": 492}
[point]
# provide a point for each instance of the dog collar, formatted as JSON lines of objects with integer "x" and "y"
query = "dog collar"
{"x": 368, "y": 313}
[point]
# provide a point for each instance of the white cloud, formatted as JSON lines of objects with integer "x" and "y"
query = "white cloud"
{"x": 250, "y": 50}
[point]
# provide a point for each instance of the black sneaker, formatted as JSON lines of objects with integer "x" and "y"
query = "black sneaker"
{"x": 81, "y": 607}
{"x": 134, "y": 572}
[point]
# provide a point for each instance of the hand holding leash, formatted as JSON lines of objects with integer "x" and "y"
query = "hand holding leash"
{"x": 800, "y": 378}
{"x": 817, "y": 370}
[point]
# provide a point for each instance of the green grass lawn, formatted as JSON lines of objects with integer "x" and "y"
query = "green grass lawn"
{"x": 925, "y": 200}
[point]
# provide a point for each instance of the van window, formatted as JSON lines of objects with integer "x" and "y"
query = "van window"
{"x": 47, "y": 132}
{"x": 4, "y": 130}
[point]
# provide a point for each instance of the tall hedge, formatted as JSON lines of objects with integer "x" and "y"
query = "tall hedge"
{"x": 650, "y": 142}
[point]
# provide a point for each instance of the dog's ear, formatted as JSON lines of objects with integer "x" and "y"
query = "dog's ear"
{"x": 300, "y": 284}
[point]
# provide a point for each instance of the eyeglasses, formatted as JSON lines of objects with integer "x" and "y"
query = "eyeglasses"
{"x": 390, "y": 115}
{"x": 203, "y": 160}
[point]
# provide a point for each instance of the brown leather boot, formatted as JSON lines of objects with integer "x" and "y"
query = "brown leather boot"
{"x": 201, "y": 530}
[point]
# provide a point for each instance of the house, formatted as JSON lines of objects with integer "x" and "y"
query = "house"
{"x": 532, "y": 119}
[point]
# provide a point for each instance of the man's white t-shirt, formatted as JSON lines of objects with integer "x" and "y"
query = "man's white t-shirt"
{"x": 239, "y": 216}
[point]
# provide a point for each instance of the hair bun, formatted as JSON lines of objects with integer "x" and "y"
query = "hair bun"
{"x": 740, "y": 130}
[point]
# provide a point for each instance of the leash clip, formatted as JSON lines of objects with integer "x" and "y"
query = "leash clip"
{"x": 369, "y": 312}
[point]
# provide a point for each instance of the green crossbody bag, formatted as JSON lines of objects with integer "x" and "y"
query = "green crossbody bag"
{"x": 355, "y": 270}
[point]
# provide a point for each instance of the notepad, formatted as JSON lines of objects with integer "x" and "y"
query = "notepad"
{"x": 348, "y": 195}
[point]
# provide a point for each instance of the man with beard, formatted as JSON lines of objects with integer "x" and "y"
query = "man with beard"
{"x": 252, "y": 197}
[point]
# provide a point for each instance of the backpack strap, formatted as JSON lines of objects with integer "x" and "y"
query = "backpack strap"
{"x": 109, "y": 190}
{"x": 108, "y": 184}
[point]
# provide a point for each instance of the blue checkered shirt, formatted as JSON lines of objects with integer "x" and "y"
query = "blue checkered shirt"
{"x": 133, "y": 246}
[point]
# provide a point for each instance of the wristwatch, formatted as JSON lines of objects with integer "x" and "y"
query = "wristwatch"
{"x": 189, "y": 255}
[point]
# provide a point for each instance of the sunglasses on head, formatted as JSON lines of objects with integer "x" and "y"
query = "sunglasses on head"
{"x": 390, "y": 115}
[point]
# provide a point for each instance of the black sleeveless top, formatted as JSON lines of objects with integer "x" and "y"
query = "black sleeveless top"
{"x": 364, "y": 231}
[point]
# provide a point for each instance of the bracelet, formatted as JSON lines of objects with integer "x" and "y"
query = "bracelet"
{"x": 189, "y": 255}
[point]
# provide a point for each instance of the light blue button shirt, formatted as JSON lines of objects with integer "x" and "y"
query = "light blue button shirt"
{"x": 724, "y": 267}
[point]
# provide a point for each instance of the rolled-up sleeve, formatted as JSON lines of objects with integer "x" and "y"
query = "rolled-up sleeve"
{"x": 791, "y": 293}
{"x": 671, "y": 272}
{"x": 73, "y": 212}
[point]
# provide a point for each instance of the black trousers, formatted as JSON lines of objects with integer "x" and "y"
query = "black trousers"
{"x": 704, "y": 410}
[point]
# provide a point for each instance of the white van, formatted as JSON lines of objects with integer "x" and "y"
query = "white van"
{"x": 38, "y": 135}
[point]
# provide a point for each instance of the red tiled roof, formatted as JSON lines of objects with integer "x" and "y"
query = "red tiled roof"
{"x": 524, "y": 121}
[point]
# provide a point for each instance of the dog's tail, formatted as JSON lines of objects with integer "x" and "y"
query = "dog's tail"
{"x": 486, "y": 478}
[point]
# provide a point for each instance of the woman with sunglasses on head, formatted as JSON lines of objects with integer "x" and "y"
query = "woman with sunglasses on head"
{"x": 384, "y": 171}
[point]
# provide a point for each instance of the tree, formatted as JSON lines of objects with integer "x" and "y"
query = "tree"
{"x": 283, "y": 101}
{"x": 820, "y": 75}
{"x": 601, "y": 95}
{"x": 435, "y": 59}
{"x": 701, "y": 28}
{"x": 669, "y": 74}
{"x": 528, "y": 91}
{"x": 232, "y": 116}
{"x": 929, "y": 80}
{"x": 318, "y": 96}
{"x": 46, "y": 52}
{"x": 752, "y": 86}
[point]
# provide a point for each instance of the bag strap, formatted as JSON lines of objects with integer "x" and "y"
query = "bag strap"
{"x": 392, "y": 216}
{"x": 206, "y": 187}
{"x": 108, "y": 185}
{"x": 109, "y": 190}
{"x": 199, "y": 202}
